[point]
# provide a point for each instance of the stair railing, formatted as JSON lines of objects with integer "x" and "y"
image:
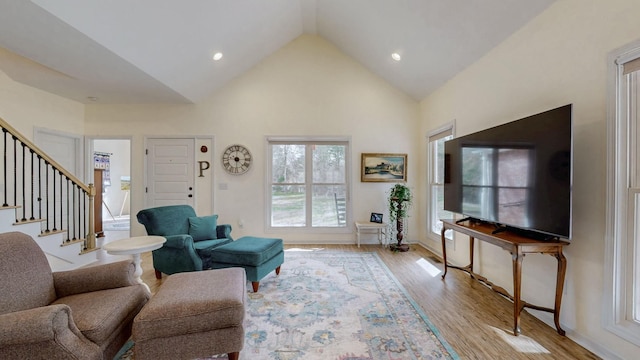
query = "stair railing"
{"x": 41, "y": 190}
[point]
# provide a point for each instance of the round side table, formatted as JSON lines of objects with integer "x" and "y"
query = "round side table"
{"x": 135, "y": 246}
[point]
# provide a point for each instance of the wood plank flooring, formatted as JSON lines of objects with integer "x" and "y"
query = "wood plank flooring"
{"x": 474, "y": 320}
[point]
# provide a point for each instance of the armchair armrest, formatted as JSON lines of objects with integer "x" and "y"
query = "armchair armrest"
{"x": 224, "y": 232}
{"x": 178, "y": 241}
{"x": 177, "y": 254}
{"x": 43, "y": 331}
{"x": 94, "y": 278}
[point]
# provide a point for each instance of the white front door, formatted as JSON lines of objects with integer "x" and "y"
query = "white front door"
{"x": 170, "y": 172}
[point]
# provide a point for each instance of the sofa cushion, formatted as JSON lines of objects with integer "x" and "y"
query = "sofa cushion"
{"x": 203, "y": 227}
{"x": 100, "y": 314}
{"x": 26, "y": 281}
{"x": 210, "y": 244}
{"x": 248, "y": 250}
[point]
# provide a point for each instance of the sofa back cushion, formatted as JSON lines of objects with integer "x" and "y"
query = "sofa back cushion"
{"x": 203, "y": 227}
{"x": 166, "y": 220}
{"x": 25, "y": 275}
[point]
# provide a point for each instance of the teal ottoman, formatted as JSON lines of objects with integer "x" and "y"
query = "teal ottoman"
{"x": 258, "y": 256}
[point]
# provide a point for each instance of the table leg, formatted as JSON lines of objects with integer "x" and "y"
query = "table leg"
{"x": 444, "y": 250}
{"x": 562, "y": 267}
{"x": 517, "y": 303}
{"x": 471, "y": 248}
{"x": 137, "y": 261}
{"x": 358, "y": 235}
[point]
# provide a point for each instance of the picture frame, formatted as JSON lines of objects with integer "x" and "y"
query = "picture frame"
{"x": 376, "y": 218}
{"x": 383, "y": 167}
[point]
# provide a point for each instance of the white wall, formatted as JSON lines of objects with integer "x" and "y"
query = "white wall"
{"x": 306, "y": 88}
{"x": 25, "y": 108}
{"x": 558, "y": 58}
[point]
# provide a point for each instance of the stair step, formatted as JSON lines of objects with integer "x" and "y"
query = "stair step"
{"x": 71, "y": 242}
{"x": 51, "y": 232}
{"x": 28, "y": 221}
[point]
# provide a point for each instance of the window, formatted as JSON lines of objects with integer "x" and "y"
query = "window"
{"x": 498, "y": 176}
{"x": 622, "y": 238}
{"x": 308, "y": 183}
{"x": 435, "y": 166}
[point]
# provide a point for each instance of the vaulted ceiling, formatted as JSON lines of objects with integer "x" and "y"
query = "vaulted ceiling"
{"x": 149, "y": 51}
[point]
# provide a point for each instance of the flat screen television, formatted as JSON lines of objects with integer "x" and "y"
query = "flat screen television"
{"x": 517, "y": 175}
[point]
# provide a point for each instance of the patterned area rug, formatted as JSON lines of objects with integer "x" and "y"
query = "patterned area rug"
{"x": 334, "y": 305}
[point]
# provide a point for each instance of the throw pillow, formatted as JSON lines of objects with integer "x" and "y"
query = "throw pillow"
{"x": 203, "y": 227}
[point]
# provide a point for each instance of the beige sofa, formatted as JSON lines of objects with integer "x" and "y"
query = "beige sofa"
{"x": 80, "y": 314}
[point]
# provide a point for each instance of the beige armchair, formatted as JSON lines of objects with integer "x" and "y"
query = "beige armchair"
{"x": 79, "y": 314}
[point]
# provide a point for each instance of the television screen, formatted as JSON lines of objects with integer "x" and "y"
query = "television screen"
{"x": 516, "y": 175}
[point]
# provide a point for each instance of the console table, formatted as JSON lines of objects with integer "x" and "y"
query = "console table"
{"x": 518, "y": 246}
{"x": 379, "y": 228}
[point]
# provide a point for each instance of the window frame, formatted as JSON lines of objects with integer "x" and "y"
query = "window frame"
{"x": 445, "y": 130}
{"x": 619, "y": 306}
{"x": 320, "y": 140}
{"x": 494, "y": 185}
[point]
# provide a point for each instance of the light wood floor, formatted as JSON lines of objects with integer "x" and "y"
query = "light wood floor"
{"x": 473, "y": 319}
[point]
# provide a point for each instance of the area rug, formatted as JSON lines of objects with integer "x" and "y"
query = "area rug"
{"x": 334, "y": 305}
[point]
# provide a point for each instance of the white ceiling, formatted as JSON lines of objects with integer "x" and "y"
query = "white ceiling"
{"x": 149, "y": 51}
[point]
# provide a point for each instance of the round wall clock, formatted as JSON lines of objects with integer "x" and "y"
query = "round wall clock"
{"x": 236, "y": 159}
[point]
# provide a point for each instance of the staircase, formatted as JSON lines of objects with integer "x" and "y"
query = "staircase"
{"x": 40, "y": 198}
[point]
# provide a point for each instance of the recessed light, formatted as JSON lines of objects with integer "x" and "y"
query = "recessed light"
{"x": 396, "y": 56}
{"x": 217, "y": 56}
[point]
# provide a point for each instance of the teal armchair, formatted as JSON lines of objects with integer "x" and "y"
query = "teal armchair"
{"x": 190, "y": 238}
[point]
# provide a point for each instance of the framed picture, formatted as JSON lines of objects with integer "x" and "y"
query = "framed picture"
{"x": 376, "y": 218}
{"x": 383, "y": 167}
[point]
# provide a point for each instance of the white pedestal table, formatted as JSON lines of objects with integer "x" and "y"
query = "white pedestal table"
{"x": 135, "y": 246}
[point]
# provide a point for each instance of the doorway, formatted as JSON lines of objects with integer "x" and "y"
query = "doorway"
{"x": 113, "y": 156}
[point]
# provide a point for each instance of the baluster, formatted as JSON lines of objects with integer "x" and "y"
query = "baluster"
{"x": 39, "y": 187}
{"x": 61, "y": 201}
{"x": 68, "y": 214}
{"x": 4, "y": 173}
{"x": 32, "y": 186}
{"x": 46, "y": 198}
{"x": 15, "y": 174}
{"x": 84, "y": 217}
{"x": 53, "y": 205}
{"x": 75, "y": 234}
{"x": 24, "y": 182}
{"x": 78, "y": 216}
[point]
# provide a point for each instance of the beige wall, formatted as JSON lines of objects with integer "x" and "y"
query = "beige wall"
{"x": 558, "y": 58}
{"x": 26, "y": 108}
{"x": 307, "y": 88}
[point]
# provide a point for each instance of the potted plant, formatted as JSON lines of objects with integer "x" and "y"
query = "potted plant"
{"x": 400, "y": 200}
